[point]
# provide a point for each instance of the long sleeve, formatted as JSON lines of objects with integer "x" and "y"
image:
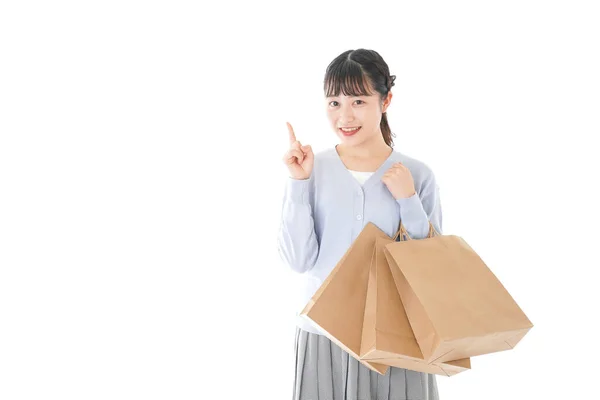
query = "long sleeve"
{"x": 416, "y": 211}
{"x": 297, "y": 242}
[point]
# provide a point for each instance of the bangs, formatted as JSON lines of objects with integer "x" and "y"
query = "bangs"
{"x": 347, "y": 78}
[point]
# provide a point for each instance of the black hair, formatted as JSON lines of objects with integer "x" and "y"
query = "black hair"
{"x": 349, "y": 72}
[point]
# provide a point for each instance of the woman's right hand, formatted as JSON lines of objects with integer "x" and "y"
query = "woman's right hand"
{"x": 299, "y": 159}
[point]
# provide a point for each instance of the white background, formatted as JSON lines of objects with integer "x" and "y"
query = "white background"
{"x": 141, "y": 183}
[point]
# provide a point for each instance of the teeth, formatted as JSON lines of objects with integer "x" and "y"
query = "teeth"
{"x": 349, "y": 129}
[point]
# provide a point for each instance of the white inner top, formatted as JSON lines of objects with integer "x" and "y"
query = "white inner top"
{"x": 361, "y": 176}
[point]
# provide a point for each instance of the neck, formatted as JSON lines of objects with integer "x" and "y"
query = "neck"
{"x": 372, "y": 149}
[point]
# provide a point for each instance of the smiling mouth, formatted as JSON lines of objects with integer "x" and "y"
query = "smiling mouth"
{"x": 349, "y": 132}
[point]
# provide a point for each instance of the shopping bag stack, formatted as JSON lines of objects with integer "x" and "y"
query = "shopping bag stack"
{"x": 427, "y": 305}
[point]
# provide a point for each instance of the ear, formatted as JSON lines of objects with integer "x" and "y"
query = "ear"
{"x": 386, "y": 102}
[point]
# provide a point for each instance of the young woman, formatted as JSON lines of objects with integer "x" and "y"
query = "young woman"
{"x": 329, "y": 197}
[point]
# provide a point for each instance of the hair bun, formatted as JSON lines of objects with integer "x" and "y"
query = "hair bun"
{"x": 391, "y": 80}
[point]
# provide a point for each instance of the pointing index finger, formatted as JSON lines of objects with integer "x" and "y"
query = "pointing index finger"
{"x": 291, "y": 133}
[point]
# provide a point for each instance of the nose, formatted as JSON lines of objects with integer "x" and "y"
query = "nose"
{"x": 346, "y": 114}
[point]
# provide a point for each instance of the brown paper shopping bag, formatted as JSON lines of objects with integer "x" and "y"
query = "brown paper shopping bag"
{"x": 338, "y": 306}
{"x": 456, "y": 306}
{"x": 387, "y": 336}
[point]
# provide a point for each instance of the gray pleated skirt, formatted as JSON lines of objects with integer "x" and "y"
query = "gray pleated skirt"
{"x": 325, "y": 371}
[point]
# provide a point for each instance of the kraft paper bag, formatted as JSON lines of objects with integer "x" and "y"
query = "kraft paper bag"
{"x": 456, "y": 306}
{"x": 387, "y": 336}
{"x": 338, "y": 306}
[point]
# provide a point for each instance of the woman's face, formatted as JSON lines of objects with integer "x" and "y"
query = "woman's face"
{"x": 352, "y": 112}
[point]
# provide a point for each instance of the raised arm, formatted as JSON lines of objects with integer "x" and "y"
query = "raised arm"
{"x": 296, "y": 240}
{"x": 422, "y": 207}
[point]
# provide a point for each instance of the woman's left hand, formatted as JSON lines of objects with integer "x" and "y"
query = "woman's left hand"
{"x": 399, "y": 181}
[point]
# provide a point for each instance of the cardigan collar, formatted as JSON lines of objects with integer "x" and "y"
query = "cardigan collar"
{"x": 374, "y": 178}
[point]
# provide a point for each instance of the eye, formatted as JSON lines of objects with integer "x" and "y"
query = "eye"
{"x": 362, "y": 102}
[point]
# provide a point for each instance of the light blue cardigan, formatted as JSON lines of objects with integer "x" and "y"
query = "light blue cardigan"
{"x": 322, "y": 216}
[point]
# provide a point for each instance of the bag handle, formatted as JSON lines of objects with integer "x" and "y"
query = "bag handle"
{"x": 402, "y": 232}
